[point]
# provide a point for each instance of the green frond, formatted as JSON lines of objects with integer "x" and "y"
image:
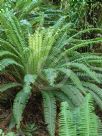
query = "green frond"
{"x": 20, "y": 103}
{"x": 82, "y": 75}
{"x": 59, "y": 23}
{"x": 97, "y": 69}
{"x": 84, "y": 68}
{"x": 81, "y": 121}
{"x": 88, "y": 30}
{"x": 4, "y": 45}
{"x": 60, "y": 43}
{"x": 22, "y": 98}
{"x": 51, "y": 75}
{"x": 61, "y": 96}
{"x": 85, "y": 44}
{"x": 95, "y": 91}
{"x": 7, "y": 62}
{"x": 86, "y": 57}
{"x": 94, "y": 88}
{"x": 95, "y": 61}
{"x": 88, "y": 120}
{"x": 99, "y": 75}
{"x": 74, "y": 78}
{"x": 40, "y": 44}
{"x": 99, "y": 126}
{"x": 49, "y": 103}
{"x": 5, "y": 87}
{"x": 13, "y": 30}
{"x": 27, "y": 6}
{"x": 29, "y": 79}
{"x": 73, "y": 94}
{"x": 8, "y": 54}
{"x": 96, "y": 97}
{"x": 66, "y": 125}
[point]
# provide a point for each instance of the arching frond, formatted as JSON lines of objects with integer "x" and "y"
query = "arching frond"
{"x": 22, "y": 98}
{"x": 5, "y": 87}
{"x": 88, "y": 120}
{"x": 7, "y": 62}
{"x": 49, "y": 103}
{"x": 73, "y": 94}
{"x": 66, "y": 125}
{"x": 74, "y": 78}
{"x": 80, "y": 121}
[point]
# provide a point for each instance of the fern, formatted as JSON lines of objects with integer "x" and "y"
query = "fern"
{"x": 84, "y": 68}
{"x": 82, "y": 121}
{"x": 73, "y": 94}
{"x": 95, "y": 91}
{"x": 61, "y": 97}
{"x": 73, "y": 77}
{"x": 49, "y": 47}
{"x": 19, "y": 104}
{"x": 6, "y": 62}
{"x": 22, "y": 98}
{"x": 27, "y": 6}
{"x": 49, "y": 111}
{"x": 12, "y": 30}
{"x": 51, "y": 75}
{"x": 99, "y": 127}
{"x": 88, "y": 120}
{"x": 4, "y": 87}
{"x": 67, "y": 127}
{"x": 4, "y": 45}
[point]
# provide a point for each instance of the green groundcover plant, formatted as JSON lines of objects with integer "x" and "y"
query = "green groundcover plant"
{"x": 47, "y": 60}
{"x": 81, "y": 121}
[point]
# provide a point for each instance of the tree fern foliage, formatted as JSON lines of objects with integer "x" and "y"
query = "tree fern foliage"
{"x": 81, "y": 121}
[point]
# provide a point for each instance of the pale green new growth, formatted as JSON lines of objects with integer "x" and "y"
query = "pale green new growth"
{"x": 81, "y": 121}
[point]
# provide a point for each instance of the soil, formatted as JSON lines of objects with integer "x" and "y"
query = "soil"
{"x": 32, "y": 114}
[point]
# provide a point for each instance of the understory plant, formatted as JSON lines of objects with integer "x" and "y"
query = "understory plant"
{"x": 83, "y": 13}
{"x": 8, "y": 134}
{"x": 47, "y": 60}
{"x": 28, "y": 130}
{"x": 81, "y": 121}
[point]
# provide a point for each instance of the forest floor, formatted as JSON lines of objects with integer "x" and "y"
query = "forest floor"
{"x": 32, "y": 114}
